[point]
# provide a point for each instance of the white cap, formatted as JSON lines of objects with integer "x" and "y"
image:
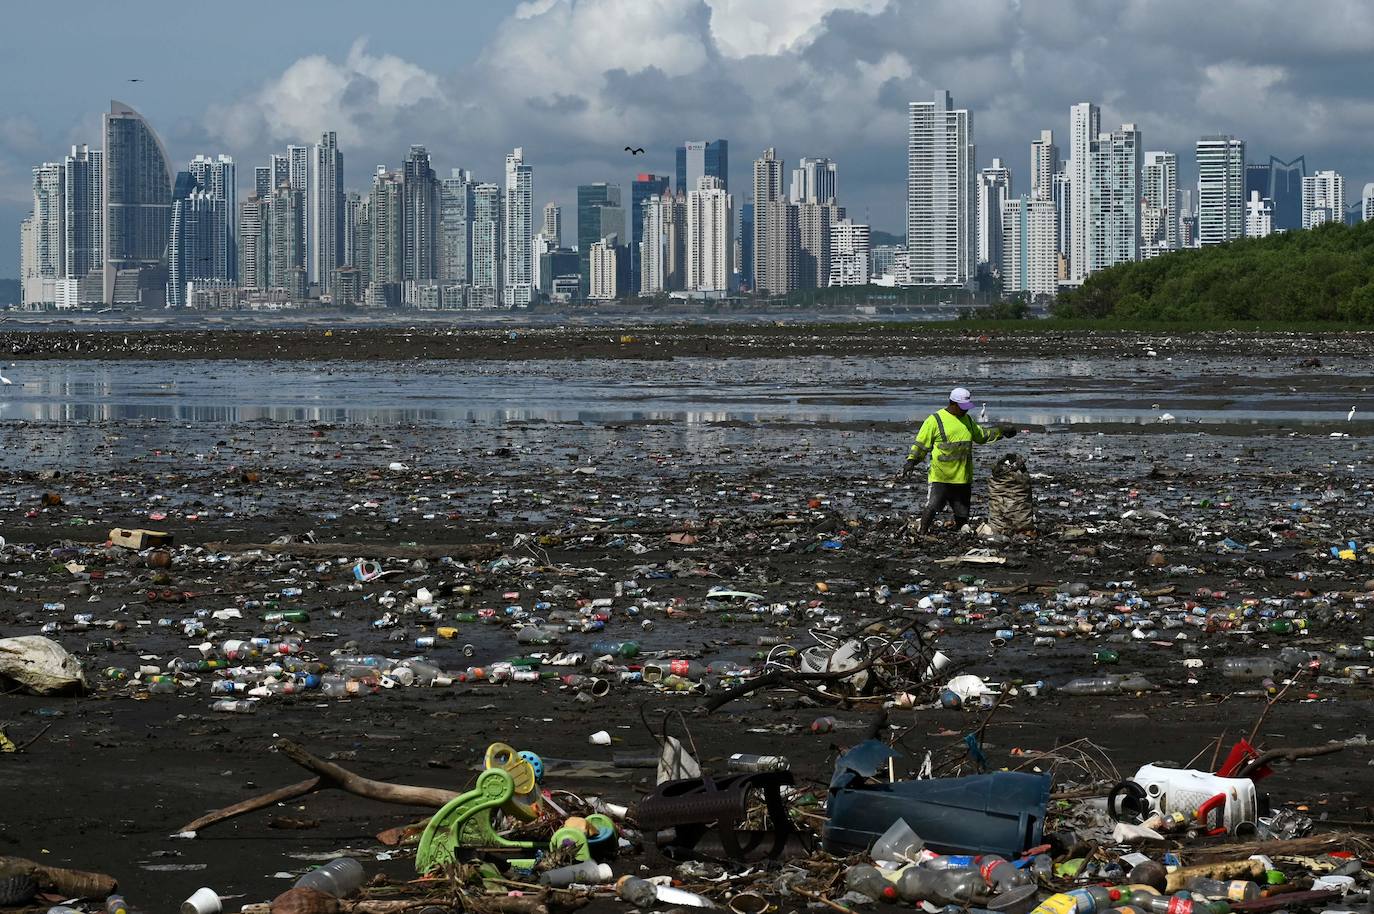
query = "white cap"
{"x": 961, "y": 397}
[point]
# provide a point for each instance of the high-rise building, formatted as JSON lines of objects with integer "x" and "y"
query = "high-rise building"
{"x": 851, "y": 248}
{"x": 696, "y": 158}
{"x": 1062, "y": 191}
{"x": 1221, "y": 189}
{"x": 517, "y": 264}
{"x": 941, "y": 216}
{"x": 1367, "y": 203}
{"x": 814, "y": 224}
{"x": 1044, "y": 166}
{"x": 326, "y": 211}
{"x": 1259, "y": 216}
{"x": 653, "y": 234}
{"x": 1323, "y": 199}
{"x": 298, "y": 164}
{"x": 1285, "y": 189}
{"x": 49, "y": 233}
{"x": 137, "y": 191}
{"x": 1114, "y": 206}
{"x": 746, "y": 243}
{"x": 255, "y": 243}
{"x": 28, "y": 264}
{"x": 455, "y": 228}
{"x": 286, "y": 268}
{"x": 362, "y": 241}
{"x": 710, "y": 221}
{"x": 262, "y": 181}
{"x": 486, "y": 244}
{"x": 1085, "y": 123}
{"x": 768, "y": 170}
{"x": 387, "y": 230}
{"x": 197, "y": 247}
{"x": 218, "y": 177}
{"x": 1258, "y": 179}
{"x": 814, "y": 181}
{"x": 1159, "y": 205}
{"x": 598, "y": 214}
{"x": 1030, "y": 246}
{"x": 645, "y": 187}
{"x": 781, "y": 247}
{"x": 281, "y": 169}
{"x": 84, "y": 212}
{"x": 421, "y": 218}
{"x": 553, "y": 223}
{"x": 603, "y": 269}
{"x": 349, "y": 255}
{"x": 994, "y": 189}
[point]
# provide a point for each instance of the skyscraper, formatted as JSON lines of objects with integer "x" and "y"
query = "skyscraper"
{"x": 1221, "y": 189}
{"x": 455, "y": 227}
{"x": 696, "y": 158}
{"x": 326, "y": 211}
{"x": 994, "y": 189}
{"x": 420, "y": 219}
{"x": 604, "y": 269}
{"x": 49, "y": 232}
{"x": 218, "y": 177}
{"x": 941, "y": 219}
{"x": 814, "y": 225}
{"x": 746, "y": 243}
{"x": 1063, "y": 216}
{"x": 851, "y": 250}
{"x": 813, "y": 181}
{"x": 1323, "y": 199}
{"x": 1030, "y": 246}
{"x": 653, "y": 236}
{"x": 645, "y": 187}
{"x": 197, "y": 249}
{"x": 137, "y": 192}
{"x": 254, "y": 242}
{"x": 1114, "y": 198}
{"x": 517, "y": 265}
{"x": 553, "y": 224}
{"x": 1085, "y": 123}
{"x": 285, "y": 234}
{"x": 281, "y": 169}
{"x": 768, "y": 170}
{"x": 1285, "y": 189}
{"x": 710, "y": 223}
{"x": 349, "y": 255}
{"x": 781, "y": 247}
{"x": 84, "y": 212}
{"x": 387, "y": 229}
{"x": 486, "y": 245}
{"x": 298, "y": 164}
{"x": 1367, "y": 203}
{"x": 1044, "y": 166}
{"x": 262, "y": 181}
{"x": 598, "y": 214}
{"x": 1159, "y": 205}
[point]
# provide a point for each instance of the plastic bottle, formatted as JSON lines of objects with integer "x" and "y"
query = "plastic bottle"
{"x": 235, "y": 707}
{"x": 1174, "y": 904}
{"x": 870, "y": 881}
{"x": 1106, "y": 656}
{"x": 744, "y": 761}
{"x": 1093, "y": 685}
{"x": 1000, "y": 874}
{"x": 116, "y": 904}
{"x": 1236, "y": 890}
{"x": 339, "y": 878}
{"x": 615, "y": 648}
{"x": 957, "y": 885}
{"x": 588, "y": 872}
{"x": 1252, "y": 667}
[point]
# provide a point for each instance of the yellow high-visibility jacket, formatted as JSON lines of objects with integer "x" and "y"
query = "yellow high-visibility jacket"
{"x": 949, "y": 440}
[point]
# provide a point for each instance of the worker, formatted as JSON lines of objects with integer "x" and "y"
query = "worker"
{"x": 947, "y": 437}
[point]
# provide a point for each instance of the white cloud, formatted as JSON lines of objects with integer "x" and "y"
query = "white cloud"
{"x": 743, "y": 28}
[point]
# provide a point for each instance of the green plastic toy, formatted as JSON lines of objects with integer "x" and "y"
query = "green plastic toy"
{"x": 465, "y": 821}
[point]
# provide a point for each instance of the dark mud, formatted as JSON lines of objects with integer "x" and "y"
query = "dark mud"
{"x": 115, "y": 773}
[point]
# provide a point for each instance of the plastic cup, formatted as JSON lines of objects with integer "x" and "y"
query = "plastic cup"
{"x": 203, "y": 901}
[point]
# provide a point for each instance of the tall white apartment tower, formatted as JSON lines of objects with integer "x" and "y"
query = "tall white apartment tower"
{"x": 1220, "y": 189}
{"x": 298, "y": 168}
{"x": 813, "y": 181}
{"x": 941, "y": 221}
{"x": 517, "y": 214}
{"x": 326, "y": 211}
{"x": 768, "y": 170}
{"x": 1044, "y": 166}
{"x": 1114, "y": 198}
{"x": 1085, "y": 123}
{"x": 1159, "y": 205}
{"x": 851, "y": 253}
{"x": 1323, "y": 199}
{"x": 710, "y": 217}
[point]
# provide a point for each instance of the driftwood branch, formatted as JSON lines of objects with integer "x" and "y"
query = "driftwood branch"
{"x": 1291, "y": 755}
{"x": 253, "y": 804}
{"x": 327, "y": 774}
{"x": 64, "y": 882}
{"x": 364, "y": 550}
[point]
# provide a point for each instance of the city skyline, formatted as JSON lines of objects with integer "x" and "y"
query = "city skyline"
{"x": 669, "y": 71}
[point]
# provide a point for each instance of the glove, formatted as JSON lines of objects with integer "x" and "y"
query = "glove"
{"x": 1009, "y": 431}
{"x": 907, "y": 470}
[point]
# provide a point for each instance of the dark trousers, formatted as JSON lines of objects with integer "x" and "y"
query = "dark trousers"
{"x": 959, "y": 497}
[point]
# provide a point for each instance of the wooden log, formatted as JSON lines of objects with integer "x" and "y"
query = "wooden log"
{"x": 252, "y": 804}
{"x": 1230, "y": 869}
{"x": 356, "y": 784}
{"x": 60, "y": 881}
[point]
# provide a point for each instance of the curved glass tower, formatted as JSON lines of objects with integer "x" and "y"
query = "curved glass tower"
{"x": 138, "y": 205}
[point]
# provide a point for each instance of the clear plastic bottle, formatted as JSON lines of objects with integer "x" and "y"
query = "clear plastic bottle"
{"x": 1000, "y": 874}
{"x": 1093, "y": 685}
{"x": 957, "y": 885}
{"x": 1252, "y": 667}
{"x": 235, "y": 707}
{"x": 870, "y": 881}
{"x": 588, "y": 872}
{"x": 116, "y": 904}
{"x": 744, "y": 761}
{"x": 1233, "y": 890}
{"x": 339, "y": 878}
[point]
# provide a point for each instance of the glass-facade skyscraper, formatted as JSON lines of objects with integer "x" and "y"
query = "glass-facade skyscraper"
{"x": 644, "y": 187}
{"x": 138, "y": 208}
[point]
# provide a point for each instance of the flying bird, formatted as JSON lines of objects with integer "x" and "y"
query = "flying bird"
{"x": 635, "y": 151}
{"x": 135, "y": 80}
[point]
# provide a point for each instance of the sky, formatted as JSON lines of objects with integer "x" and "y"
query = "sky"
{"x": 575, "y": 81}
